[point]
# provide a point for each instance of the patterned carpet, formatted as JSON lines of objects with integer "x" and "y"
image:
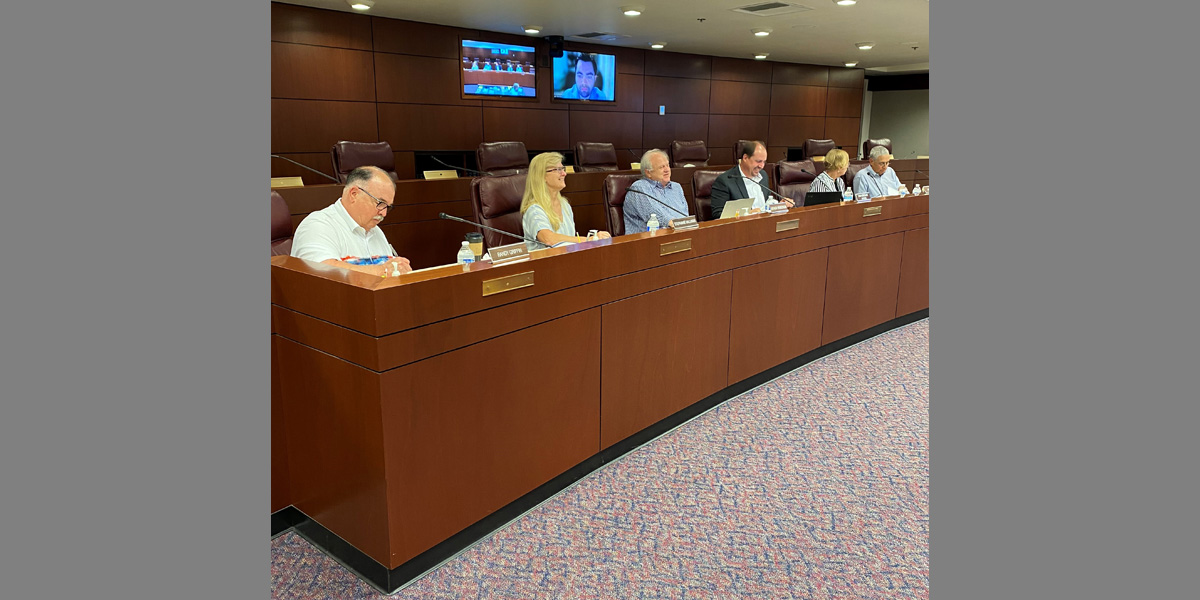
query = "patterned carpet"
{"x": 815, "y": 485}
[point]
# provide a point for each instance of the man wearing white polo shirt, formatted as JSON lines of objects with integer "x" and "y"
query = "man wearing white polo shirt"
{"x": 349, "y": 228}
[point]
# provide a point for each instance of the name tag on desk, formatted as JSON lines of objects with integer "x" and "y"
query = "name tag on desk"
{"x": 503, "y": 255}
{"x": 684, "y": 223}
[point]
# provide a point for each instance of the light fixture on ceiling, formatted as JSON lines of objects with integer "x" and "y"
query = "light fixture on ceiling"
{"x": 762, "y": 32}
{"x": 658, "y": 45}
{"x": 361, "y": 4}
{"x": 852, "y": 64}
{"x": 532, "y": 29}
{"x": 760, "y": 56}
{"x": 631, "y": 11}
{"x": 845, "y": 2}
{"x": 865, "y": 45}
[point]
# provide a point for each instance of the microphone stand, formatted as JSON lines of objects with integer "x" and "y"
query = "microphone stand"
{"x": 438, "y": 161}
{"x": 512, "y": 235}
{"x": 335, "y": 179}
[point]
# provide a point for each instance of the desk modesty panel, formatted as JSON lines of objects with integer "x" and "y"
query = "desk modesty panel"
{"x": 410, "y": 412}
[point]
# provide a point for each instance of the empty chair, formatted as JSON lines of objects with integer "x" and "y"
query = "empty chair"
{"x": 814, "y": 148}
{"x": 614, "y": 200}
{"x": 702, "y": 193}
{"x": 595, "y": 156}
{"x": 502, "y": 158}
{"x": 348, "y": 156}
{"x": 281, "y": 226}
{"x": 793, "y": 181}
{"x": 692, "y": 153}
{"x": 737, "y": 150}
{"x": 871, "y": 143}
{"x": 497, "y": 203}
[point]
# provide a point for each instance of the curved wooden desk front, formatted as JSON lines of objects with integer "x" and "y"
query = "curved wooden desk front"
{"x": 407, "y": 409}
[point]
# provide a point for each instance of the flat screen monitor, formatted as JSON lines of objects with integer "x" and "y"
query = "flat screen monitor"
{"x": 586, "y": 76}
{"x": 504, "y": 70}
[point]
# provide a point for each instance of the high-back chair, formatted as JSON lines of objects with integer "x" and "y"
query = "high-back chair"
{"x": 497, "y": 203}
{"x": 871, "y": 143}
{"x": 348, "y": 156}
{"x": 689, "y": 153}
{"x": 502, "y": 158}
{"x": 281, "y": 226}
{"x": 702, "y": 181}
{"x": 793, "y": 181}
{"x": 814, "y": 148}
{"x": 595, "y": 156}
{"x": 614, "y": 200}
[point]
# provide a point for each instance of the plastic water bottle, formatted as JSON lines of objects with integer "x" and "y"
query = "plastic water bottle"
{"x": 465, "y": 255}
{"x": 652, "y": 223}
{"x": 847, "y": 195}
{"x": 903, "y": 190}
{"x": 916, "y": 189}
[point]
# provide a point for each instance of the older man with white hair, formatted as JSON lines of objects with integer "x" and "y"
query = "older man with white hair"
{"x": 880, "y": 179}
{"x": 655, "y": 184}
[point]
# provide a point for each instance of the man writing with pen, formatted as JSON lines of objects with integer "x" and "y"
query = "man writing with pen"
{"x": 346, "y": 233}
{"x": 745, "y": 180}
{"x": 655, "y": 184}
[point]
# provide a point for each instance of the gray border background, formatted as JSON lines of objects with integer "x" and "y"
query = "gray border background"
{"x": 134, "y": 432}
{"x": 135, "y": 394}
{"x": 1063, "y": 458}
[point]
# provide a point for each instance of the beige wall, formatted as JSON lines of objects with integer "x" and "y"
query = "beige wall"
{"x": 902, "y": 115}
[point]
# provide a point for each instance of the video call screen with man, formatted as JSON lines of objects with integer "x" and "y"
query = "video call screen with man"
{"x": 585, "y": 76}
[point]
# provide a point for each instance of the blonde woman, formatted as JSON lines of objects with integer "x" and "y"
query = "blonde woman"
{"x": 545, "y": 215}
{"x": 830, "y": 180}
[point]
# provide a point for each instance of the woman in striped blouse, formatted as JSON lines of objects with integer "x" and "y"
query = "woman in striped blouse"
{"x": 830, "y": 180}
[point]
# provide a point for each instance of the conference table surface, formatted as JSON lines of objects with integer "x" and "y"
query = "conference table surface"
{"x": 407, "y": 410}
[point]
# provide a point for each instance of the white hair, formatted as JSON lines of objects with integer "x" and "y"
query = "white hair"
{"x": 878, "y": 152}
{"x": 646, "y": 159}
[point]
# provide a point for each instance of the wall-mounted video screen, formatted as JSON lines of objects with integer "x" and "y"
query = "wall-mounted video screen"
{"x": 491, "y": 69}
{"x": 585, "y": 76}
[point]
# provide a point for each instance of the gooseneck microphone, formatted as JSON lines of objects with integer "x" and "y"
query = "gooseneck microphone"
{"x": 435, "y": 159}
{"x": 512, "y": 235}
{"x": 302, "y": 166}
{"x": 627, "y": 191}
{"x": 769, "y": 190}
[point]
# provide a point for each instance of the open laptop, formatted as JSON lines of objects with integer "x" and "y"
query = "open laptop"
{"x": 815, "y": 198}
{"x": 734, "y": 207}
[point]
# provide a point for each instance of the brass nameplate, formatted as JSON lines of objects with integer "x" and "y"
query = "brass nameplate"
{"x": 278, "y": 182}
{"x": 637, "y": 166}
{"x": 684, "y": 223}
{"x": 871, "y": 211}
{"x": 507, "y": 284}
{"x": 570, "y": 169}
{"x": 447, "y": 174}
{"x": 787, "y": 225}
{"x": 673, "y": 247}
{"x": 509, "y": 254}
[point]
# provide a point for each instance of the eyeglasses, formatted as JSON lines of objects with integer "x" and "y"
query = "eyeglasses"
{"x": 558, "y": 169}
{"x": 379, "y": 204}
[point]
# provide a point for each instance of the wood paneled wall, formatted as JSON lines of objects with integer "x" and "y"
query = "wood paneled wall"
{"x": 341, "y": 76}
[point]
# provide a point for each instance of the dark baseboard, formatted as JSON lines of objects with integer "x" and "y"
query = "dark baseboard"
{"x": 390, "y": 580}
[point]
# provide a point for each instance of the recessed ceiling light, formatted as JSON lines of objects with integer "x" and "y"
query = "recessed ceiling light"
{"x": 762, "y": 32}
{"x": 658, "y": 45}
{"x": 852, "y": 64}
{"x": 865, "y": 45}
{"x": 760, "y": 56}
{"x": 845, "y": 2}
{"x": 361, "y": 4}
{"x": 532, "y": 29}
{"x": 631, "y": 11}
